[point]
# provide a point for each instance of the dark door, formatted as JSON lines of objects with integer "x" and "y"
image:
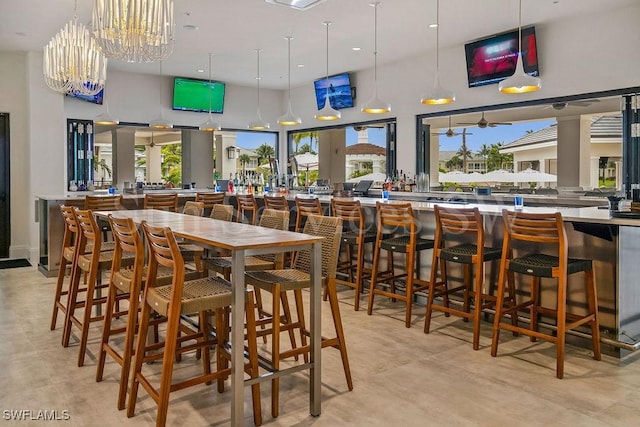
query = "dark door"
{"x": 5, "y": 185}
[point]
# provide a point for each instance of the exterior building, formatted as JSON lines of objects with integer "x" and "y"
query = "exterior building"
{"x": 538, "y": 150}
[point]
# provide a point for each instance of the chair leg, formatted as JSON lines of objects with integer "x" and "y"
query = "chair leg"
{"x": 129, "y": 343}
{"x": 359, "y": 273}
{"x": 139, "y": 358}
{"x": 337, "y": 322}
{"x": 252, "y": 345}
{"x": 59, "y": 292}
{"x": 72, "y": 298}
{"x": 409, "y": 289}
{"x": 374, "y": 273}
{"x": 205, "y": 330}
{"x": 275, "y": 350}
{"x": 592, "y": 299}
{"x": 286, "y": 309}
{"x": 301, "y": 322}
{"x": 477, "y": 296}
{"x": 469, "y": 289}
{"x": 533, "y": 310}
{"x": 432, "y": 291}
{"x": 106, "y": 331}
{"x": 499, "y": 307}
{"x": 88, "y": 308}
{"x": 562, "y": 324}
{"x": 222, "y": 336}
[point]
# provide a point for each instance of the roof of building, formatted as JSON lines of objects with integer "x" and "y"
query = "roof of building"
{"x": 601, "y": 127}
{"x": 366, "y": 148}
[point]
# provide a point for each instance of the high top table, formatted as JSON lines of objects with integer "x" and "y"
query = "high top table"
{"x": 243, "y": 240}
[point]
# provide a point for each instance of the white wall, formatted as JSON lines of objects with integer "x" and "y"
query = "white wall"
{"x": 578, "y": 55}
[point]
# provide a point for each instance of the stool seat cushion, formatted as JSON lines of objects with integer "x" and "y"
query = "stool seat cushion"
{"x": 464, "y": 253}
{"x": 542, "y": 265}
{"x": 288, "y": 279}
{"x": 401, "y": 244}
{"x": 197, "y": 295}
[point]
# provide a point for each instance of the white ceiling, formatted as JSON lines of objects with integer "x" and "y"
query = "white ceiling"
{"x": 232, "y": 29}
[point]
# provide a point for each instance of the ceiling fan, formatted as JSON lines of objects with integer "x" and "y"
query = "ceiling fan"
{"x": 483, "y": 123}
{"x": 450, "y": 132}
{"x": 562, "y": 105}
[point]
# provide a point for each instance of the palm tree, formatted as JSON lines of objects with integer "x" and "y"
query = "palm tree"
{"x": 171, "y": 166}
{"x": 299, "y": 136}
{"x": 265, "y": 151}
{"x": 244, "y": 159}
{"x": 484, "y": 152}
{"x": 454, "y": 162}
{"x": 463, "y": 151}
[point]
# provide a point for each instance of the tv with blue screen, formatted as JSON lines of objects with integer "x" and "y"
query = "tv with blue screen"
{"x": 193, "y": 95}
{"x": 492, "y": 59}
{"x": 339, "y": 87}
{"x": 96, "y": 99}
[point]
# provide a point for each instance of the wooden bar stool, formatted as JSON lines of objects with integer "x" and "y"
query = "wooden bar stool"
{"x": 104, "y": 203}
{"x": 355, "y": 234}
{"x": 247, "y": 206}
{"x": 165, "y": 202}
{"x": 297, "y": 278}
{"x": 398, "y": 221}
{"x": 278, "y": 203}
{"x": 459, "y": 238}
{"x": 522, "y": 231}
{"x": 203, "y": 296}
{"x": 126, "y": 281}
{"x": 210, "y": 199}
{"x": 306, "y": 206}
{"x": 92, "y": 261}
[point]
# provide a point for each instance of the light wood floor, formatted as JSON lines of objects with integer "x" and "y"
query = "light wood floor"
{"x": 402, "y": 377}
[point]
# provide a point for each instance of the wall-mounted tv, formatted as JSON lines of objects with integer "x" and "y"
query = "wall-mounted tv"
{"x": 96, "y": 99}
{"x": 492, "y": 59}
{"x": 193, "y": 95}
{"x": 340, "y": 94}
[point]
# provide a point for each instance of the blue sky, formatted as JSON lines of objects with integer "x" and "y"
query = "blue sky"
{"x": 475, "y": 136}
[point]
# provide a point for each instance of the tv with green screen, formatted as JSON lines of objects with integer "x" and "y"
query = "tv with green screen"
{"x": 193, "y": 95}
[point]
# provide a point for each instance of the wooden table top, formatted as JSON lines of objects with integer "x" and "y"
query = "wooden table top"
{"x": 222, "y": 234}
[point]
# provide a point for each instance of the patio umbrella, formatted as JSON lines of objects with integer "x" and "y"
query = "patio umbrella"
{"x": 307, "y": 162}
{"x": 374, "y": 176}
{"x": 531, "y": 175}
{"x": 500, "y": 175}
{"x": 461, "y": 177}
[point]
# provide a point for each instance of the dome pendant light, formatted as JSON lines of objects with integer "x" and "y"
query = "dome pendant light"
{"x": 258, "y": 123}
{"x": 210, "y": 125}
{"x": 375, "y": 105}
{"x": 289, "y": 119}
{"x": 439, "y": 95}
{"x": 161, "y": 123}
{"x": 520, "y": 82}
{"x": 327, "y": 113}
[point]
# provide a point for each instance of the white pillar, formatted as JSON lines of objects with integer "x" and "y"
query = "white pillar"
{"x": 197, "y": 158}
{"x": 574, "y": 151}
{"x": 618, "y": 166}
{"x": 154, "y": 164}
{"x": 124, "y": 158}
{"x": 332, "y": 149}
{"x": 594, "y": 169}
{"x": 227, "y": 167}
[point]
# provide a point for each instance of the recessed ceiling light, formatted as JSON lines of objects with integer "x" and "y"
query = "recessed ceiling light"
{"x": 200, "y": 70}
{"x": 190, "y": 27}
{"x": 300, "y": 65}
{"x": 434, "y": 25}
{"x": 356, "y": 49}
{"x": 297, "y": 4}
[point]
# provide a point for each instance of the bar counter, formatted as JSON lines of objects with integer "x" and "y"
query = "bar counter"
{"x": 613, "y": 244}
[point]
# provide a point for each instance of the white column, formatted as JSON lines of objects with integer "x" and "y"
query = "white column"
{"x": 124, "y": 158}
{"x": 197, "y": 158}
{"x": 227, "y": 167}
{"x": 331, "y": 155}
{"x": 574, "y": 151}
{"x": 594, "y": 169}
{"x": 154, "y": 164}
{"x": 618, "y": 166}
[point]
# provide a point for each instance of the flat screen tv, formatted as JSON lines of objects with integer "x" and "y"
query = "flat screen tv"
{"x": 96, "y": 99}
{"x": 339, "y": 87}
{"x": 193, "y": 95}
{"x": 492, "y": 59}
{"x": 363, "y": 186}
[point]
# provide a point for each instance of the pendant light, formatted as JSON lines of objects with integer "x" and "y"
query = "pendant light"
{"x": 289, "y": 119}
{"x": 375, "y": 105}
{"x": 210, "y": 125}
{"x": 327, "y": 113}
{"x": 105, "y": 118}
{"x": 439, "y": 95}
{"x": 161, "y": 123}
{"x": 258, "y": 123}
{"x": 520, "y": 82}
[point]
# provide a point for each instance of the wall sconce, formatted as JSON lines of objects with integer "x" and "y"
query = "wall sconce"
{"x": 231, "y": 152}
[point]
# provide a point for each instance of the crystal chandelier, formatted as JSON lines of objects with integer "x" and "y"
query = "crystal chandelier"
{"x": 134, "y": 30}
{"x": 73, "y": 61}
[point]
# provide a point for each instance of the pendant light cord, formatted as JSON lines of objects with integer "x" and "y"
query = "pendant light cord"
{"x": 258, "y": 78}
{"x": 210, "y": 89}
{"x": 437, "y": 35}
{"x": 289, "y": 69}
{"x": 520, "y": 29}
{"x": 375, "y": 45}
{"x": 326, "y": 24}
